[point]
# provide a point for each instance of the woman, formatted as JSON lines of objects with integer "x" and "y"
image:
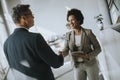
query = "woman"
{"x": 82, "y": 46}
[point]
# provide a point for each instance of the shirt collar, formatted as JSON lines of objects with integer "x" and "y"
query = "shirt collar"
{"x": 22, "y": 27}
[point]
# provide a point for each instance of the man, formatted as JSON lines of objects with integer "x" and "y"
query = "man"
{"x": 28, "y": 54}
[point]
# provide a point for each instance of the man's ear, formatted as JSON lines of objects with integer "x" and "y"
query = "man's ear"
{"x": 23, "y": 17}
{"x": 23, "y": 20}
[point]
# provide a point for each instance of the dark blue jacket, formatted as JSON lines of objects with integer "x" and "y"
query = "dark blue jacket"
{"x": 23, "y": 45}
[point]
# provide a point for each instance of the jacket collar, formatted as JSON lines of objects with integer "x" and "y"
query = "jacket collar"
{"x": 20, "y": 29}
{"x": 72, "y": 37}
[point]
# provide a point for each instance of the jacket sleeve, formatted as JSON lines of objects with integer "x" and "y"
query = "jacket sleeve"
{"x": 95, "y": 44}
{"x": 47, "y": 54}
{"x": 66, "y": 46}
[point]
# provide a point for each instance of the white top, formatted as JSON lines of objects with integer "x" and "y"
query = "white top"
{"x": 78, "y": 43}
{"x": 78, "y": 40}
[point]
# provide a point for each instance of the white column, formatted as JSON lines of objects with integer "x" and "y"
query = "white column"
{"x": 8, "y": 19}
{"x": 5, "y": 12}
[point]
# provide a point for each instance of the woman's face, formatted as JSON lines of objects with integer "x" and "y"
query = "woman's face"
{"x": 73, "y": 22}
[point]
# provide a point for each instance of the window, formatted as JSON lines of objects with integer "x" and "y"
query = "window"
{"x": 114, "y": 12}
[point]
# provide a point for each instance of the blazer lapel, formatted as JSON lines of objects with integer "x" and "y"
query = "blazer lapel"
{"x": 72, "y": 40}
{"x": 82, "y": 39}
{"x": 73, "y": 37}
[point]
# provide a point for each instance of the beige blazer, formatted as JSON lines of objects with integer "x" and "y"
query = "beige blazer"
{"x": 89, "y": 45}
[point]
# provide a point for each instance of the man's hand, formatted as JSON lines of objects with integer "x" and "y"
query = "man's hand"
{"x": 61, "y": 53}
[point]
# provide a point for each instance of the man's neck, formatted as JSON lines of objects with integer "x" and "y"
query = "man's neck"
{"x": 21, "y": 26}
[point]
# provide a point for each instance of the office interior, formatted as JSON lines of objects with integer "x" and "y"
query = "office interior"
{"x": 101, "y": 16}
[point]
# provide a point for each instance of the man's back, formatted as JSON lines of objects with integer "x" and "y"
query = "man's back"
{"x": 29, "y": 53}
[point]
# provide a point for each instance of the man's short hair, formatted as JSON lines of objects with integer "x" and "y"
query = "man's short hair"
{"x": 18, "y": 11}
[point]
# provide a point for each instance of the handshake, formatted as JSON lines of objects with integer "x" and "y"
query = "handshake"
{"x": 61, "y": 53}
{"x": 79, "y": 54}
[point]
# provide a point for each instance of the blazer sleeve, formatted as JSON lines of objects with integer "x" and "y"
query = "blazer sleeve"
{"x": 66, "y": 46}
{"x": 95, "y": 44}
{"x": 47, "y": 54}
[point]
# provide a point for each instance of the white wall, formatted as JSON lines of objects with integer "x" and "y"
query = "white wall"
{"x": 109, "y": 58}
{"x": 51, "y": 14}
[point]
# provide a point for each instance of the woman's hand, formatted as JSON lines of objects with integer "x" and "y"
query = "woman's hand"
{"x": 82, "y": 55}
